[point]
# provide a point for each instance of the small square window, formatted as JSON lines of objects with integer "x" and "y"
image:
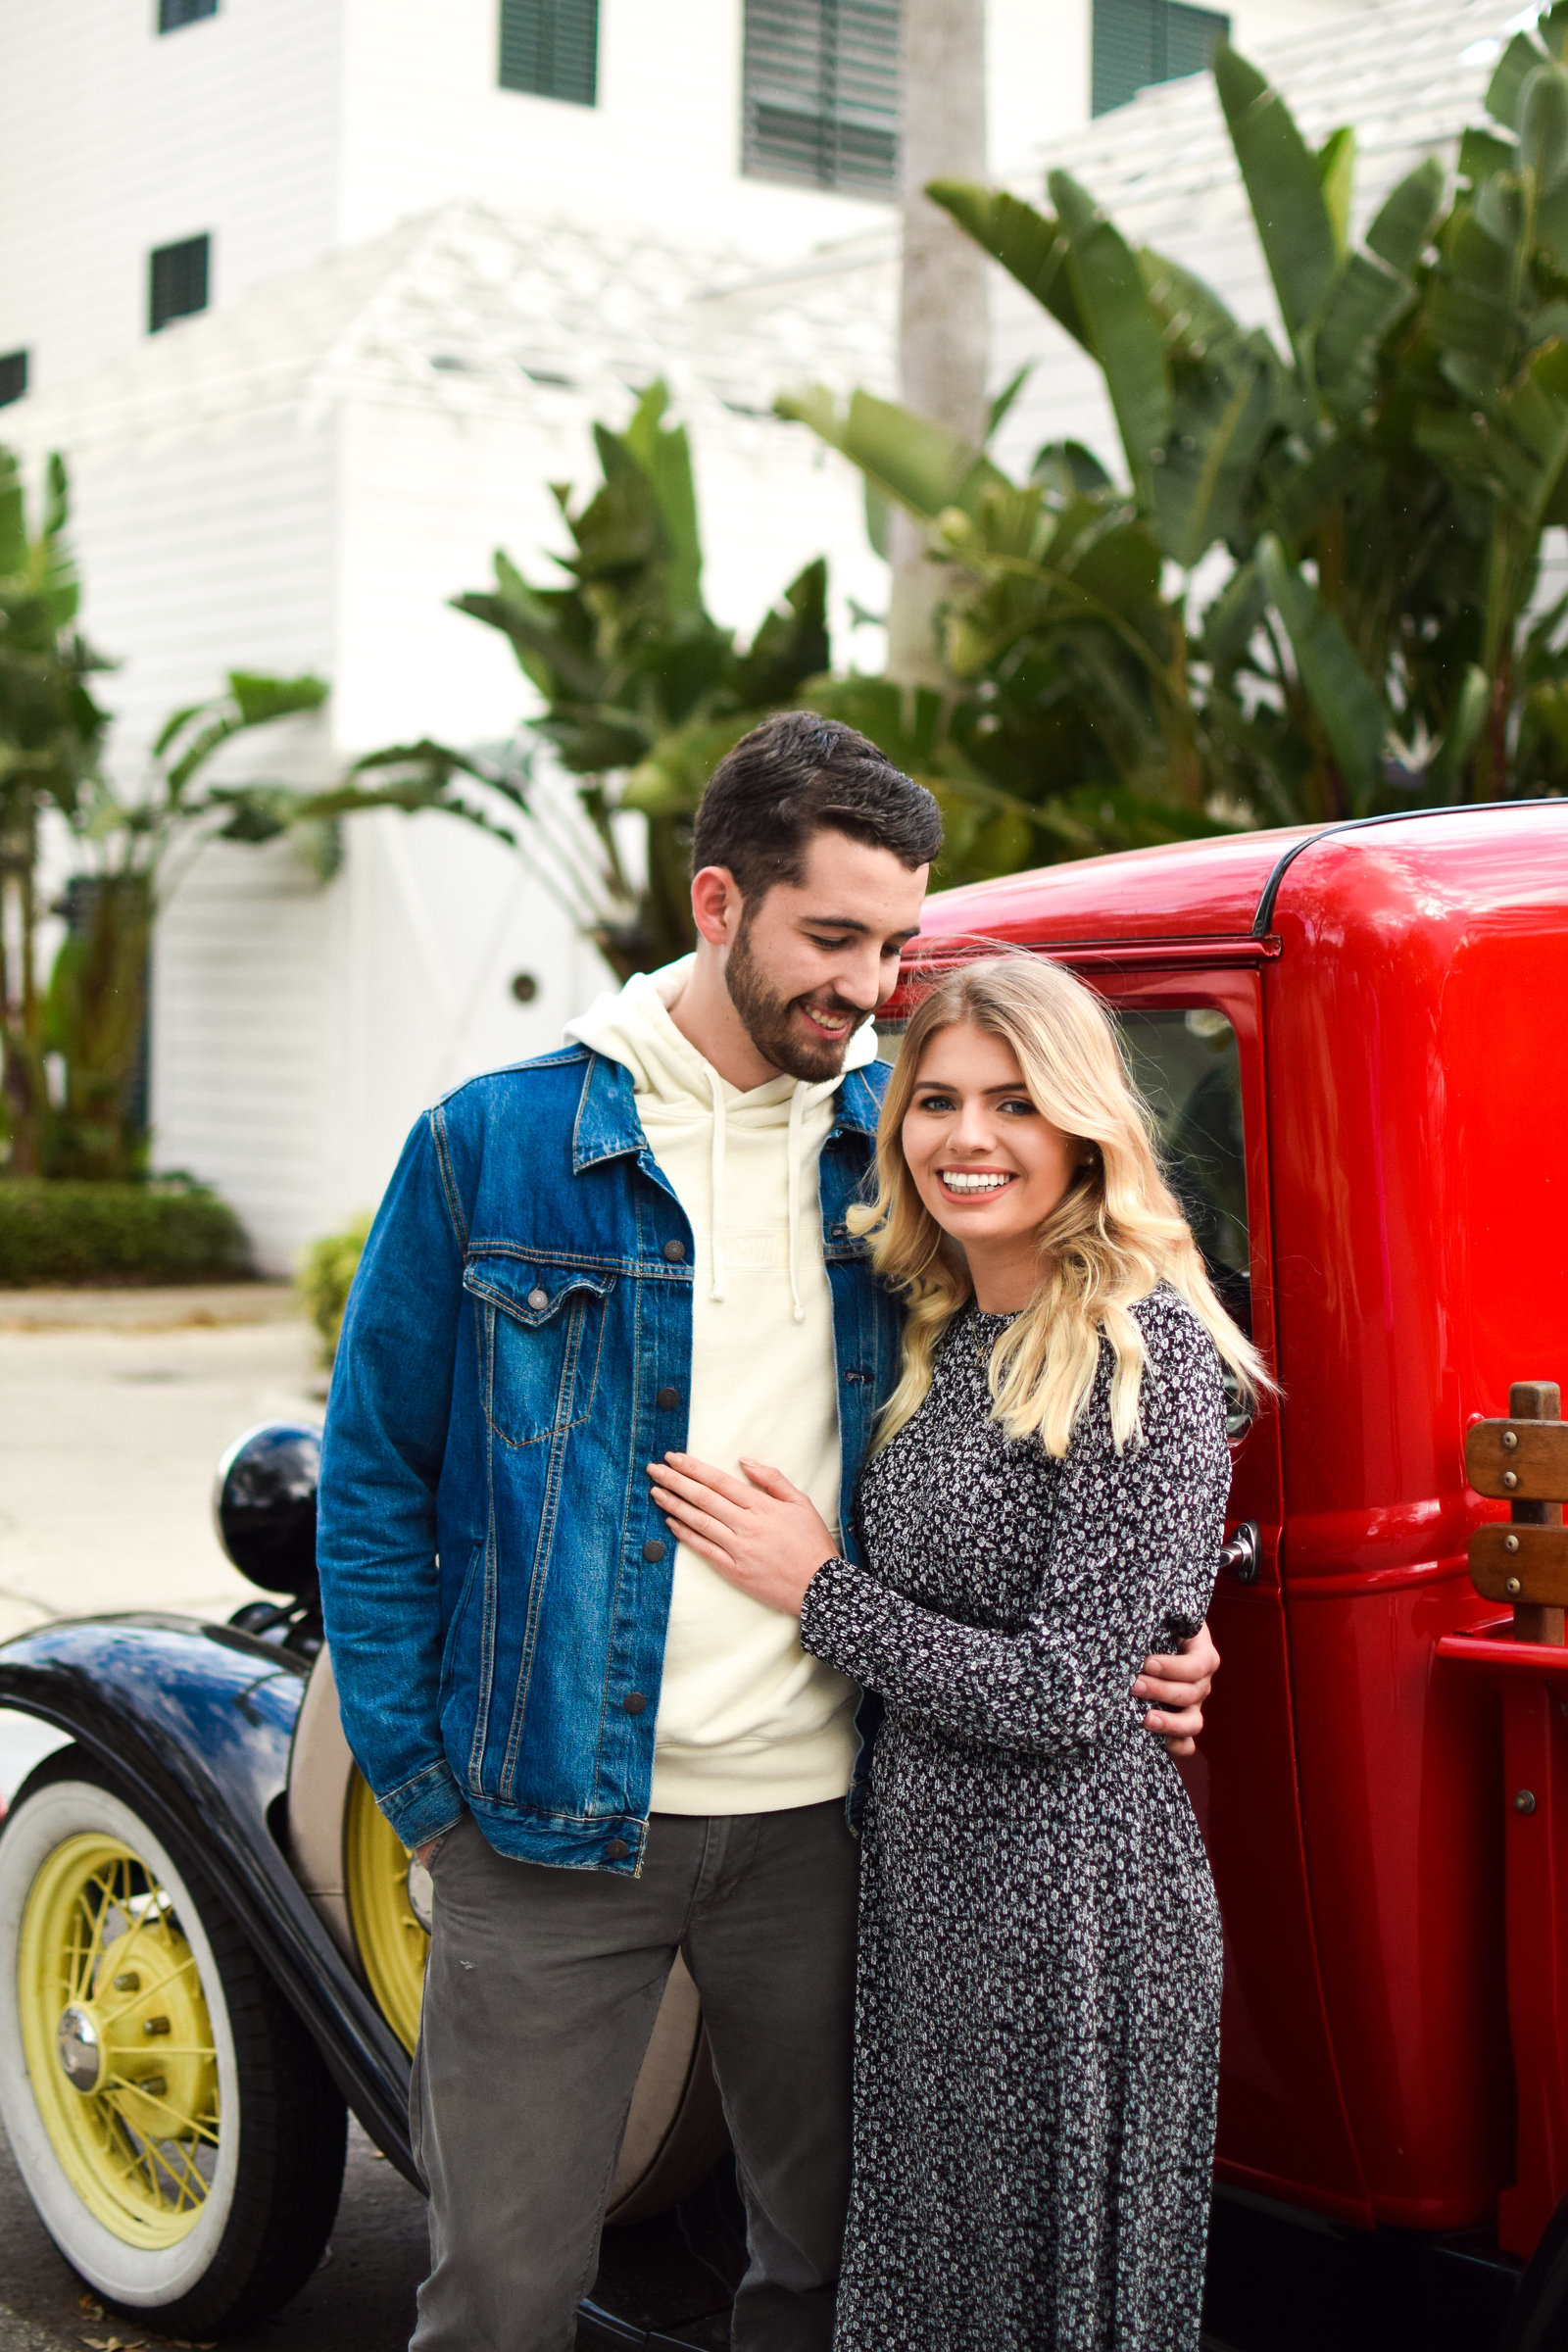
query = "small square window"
{"x": 178, "y": 281}
{"x": 551, "y": 48}
{"x": 173, "y": 13}
{"x": 13, "y": 376}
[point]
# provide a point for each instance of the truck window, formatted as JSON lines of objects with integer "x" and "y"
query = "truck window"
{"x": 1187, "y": 1068}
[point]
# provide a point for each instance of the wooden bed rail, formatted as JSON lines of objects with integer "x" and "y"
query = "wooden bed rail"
{"x": 1523, "y": 1461}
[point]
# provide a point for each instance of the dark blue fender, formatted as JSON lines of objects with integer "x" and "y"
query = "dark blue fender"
{"x": 194, "y": 1721}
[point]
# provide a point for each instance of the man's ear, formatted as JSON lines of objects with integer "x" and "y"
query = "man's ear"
{"x": 716, "y": 906}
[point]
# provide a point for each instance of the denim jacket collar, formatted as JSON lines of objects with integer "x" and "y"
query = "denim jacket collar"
{"x": 608, "y": 1127}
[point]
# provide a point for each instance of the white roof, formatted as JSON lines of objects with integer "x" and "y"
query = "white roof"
{"x": 471, "y": 310}
{"x": 1408, "y": 74}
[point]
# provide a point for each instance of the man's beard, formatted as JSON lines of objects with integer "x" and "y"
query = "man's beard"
{"x": 766, "y": 1015}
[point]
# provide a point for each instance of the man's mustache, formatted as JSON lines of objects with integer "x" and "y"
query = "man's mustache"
{"x": 834, "y": 1005}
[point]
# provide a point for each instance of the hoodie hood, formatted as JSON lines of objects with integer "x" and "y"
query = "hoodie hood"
{"x": 678, "y": 1086}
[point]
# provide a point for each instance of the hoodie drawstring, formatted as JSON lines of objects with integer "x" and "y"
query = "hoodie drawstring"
{"x": 716, "y": 1167}
{"x": 791, "y": 1154}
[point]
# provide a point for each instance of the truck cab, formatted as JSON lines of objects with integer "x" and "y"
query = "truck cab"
{"x": 1350, "y": 1038}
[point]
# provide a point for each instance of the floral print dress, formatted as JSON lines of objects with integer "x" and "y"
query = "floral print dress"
{"x": 1037, "y": 2012}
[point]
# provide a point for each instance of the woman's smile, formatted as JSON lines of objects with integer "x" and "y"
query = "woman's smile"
{"x": 975, "y": 1183}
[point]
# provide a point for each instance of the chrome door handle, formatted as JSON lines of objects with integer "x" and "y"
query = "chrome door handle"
{"x": 1242, "y": 1555}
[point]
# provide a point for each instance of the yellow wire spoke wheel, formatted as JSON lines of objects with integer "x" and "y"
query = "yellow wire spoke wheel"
{"x": 118, "y": 2040}
{"x": 392, "y": 1945}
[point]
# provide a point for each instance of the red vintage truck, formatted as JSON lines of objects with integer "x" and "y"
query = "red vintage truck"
{"x": 1352, "y": 1039}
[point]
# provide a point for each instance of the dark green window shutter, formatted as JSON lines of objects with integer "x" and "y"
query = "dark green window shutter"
{"x": 551, "y": 48}
{"x": 1192, "y": 36}
{"x": 13, "y": 376}
{"x": 178, "y": 281}
{"x": 819, "y": 98}
{"x": 1137, "y": 42}
{"x": 173, "y": 13}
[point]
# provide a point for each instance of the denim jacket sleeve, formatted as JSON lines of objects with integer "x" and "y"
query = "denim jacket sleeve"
{"x": 386, "y": 1434}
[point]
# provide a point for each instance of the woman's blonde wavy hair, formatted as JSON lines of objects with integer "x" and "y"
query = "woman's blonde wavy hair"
{"x": 1114, "y": 1235}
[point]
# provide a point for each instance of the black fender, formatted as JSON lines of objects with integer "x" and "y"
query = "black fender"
{"x": 194, "y": 1721}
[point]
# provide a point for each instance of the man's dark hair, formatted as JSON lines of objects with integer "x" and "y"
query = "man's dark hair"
{"x": 797, "y": 775}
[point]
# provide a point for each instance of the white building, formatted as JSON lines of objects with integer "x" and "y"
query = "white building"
{"x": 318, "y": 296}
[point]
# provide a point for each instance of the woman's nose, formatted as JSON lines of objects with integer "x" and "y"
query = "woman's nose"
{"x": 972, "y": 1129}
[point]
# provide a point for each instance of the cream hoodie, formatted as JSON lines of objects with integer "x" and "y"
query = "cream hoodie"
{"x": 747, "y": 1723}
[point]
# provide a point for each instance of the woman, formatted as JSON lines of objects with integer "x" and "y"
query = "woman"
{"x": 1037, "y": 2016}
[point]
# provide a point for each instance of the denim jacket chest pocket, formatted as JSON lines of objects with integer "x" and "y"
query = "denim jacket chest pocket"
{"x": 540, "y": 1329}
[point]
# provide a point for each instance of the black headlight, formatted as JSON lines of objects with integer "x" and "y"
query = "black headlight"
{"x": 263, "y": 1506}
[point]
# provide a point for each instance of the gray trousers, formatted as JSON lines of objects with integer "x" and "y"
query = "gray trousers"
{"x": 539, "y": 2000}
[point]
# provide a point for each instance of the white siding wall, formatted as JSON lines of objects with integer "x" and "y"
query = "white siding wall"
{"x": 426, "y": 119}
{"x": 434, "y": 920}
{"x": 201, "y": 556}
{"x": 115, "y": 139}
{"x": 242, "y": 1023}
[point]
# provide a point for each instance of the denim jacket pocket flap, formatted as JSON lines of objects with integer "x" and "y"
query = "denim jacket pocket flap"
{"x": 532, "y": 1294}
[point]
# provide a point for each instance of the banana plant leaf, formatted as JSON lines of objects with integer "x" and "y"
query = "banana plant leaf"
{"x": 1347, "y": 704}
{"x": 1294, "y": 225}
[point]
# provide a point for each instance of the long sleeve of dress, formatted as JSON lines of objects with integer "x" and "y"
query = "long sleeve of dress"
{"x": 1133, "y": 1550}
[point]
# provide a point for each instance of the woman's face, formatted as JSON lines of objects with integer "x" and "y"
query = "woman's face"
{"x": 988, "y": 1166}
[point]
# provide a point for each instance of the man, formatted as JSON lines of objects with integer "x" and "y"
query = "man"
{"x": 607, "y": 1753}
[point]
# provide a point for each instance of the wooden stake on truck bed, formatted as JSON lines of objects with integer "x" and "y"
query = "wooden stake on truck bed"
{"x": 1523, "y": 1559}
{"x": 1524, "y": 1460}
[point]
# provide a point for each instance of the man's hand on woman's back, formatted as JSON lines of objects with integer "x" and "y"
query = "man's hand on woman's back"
{"x": 1176, "y": 1688}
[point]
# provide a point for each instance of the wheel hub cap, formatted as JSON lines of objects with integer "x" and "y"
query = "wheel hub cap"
{"x": 80, "y": 2047}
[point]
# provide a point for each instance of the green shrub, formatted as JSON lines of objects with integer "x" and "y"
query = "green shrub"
{"x": 325, "y": 1278}
{"x": 171, "y": 1230}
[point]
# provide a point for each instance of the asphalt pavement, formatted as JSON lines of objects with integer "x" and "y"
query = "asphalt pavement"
{"x": 360, "y": 2300}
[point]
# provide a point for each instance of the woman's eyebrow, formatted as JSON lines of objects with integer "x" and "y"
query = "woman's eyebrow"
{"x": 951, "y": 1086}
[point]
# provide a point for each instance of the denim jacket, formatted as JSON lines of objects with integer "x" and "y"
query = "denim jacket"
{"x": 495, "y": 1577}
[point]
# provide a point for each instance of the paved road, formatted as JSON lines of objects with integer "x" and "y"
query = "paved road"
{"x": 109, "y": 1437}
{"x": 361, "y": 2300}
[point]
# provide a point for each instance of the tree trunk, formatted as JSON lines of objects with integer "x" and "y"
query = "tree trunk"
{"x": 944, "y": 308}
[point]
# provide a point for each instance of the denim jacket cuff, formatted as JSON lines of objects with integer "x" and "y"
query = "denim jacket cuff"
{"x": 421, "y": 1808}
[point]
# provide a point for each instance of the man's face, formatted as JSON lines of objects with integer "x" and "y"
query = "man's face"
{"x": 814, "y": 958}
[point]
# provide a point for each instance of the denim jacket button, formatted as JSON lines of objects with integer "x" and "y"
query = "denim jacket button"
{"x": 615, "y": 1849}
{"x": 635, "y": 1702}
{"x": 667, "y": 1400}
{"x": 674, "y": 1252}
{"x": 653, "y": 1549}
{"x": 538, "y": 1301}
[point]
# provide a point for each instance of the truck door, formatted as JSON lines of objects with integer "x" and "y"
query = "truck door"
{"x": 1194, "y": 1041}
